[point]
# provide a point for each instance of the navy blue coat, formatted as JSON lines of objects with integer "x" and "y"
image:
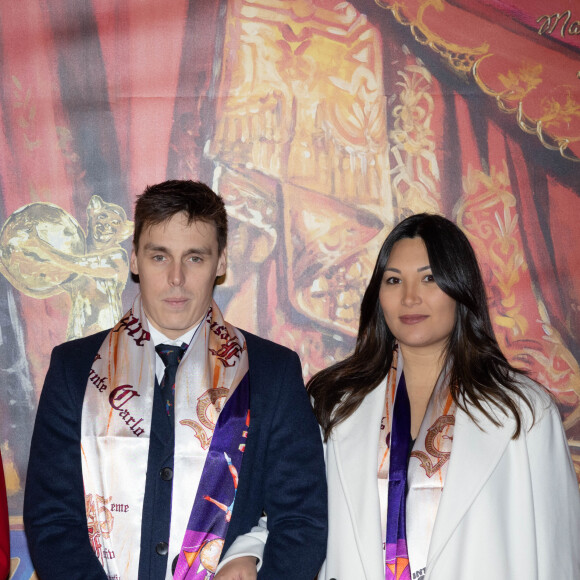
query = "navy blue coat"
{"x": 282, "y": 472}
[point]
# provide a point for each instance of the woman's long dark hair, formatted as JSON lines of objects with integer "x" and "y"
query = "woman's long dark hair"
{"x": 479, "y": 373}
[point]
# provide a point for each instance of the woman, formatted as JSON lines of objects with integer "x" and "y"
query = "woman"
{"x": 456, "y": 459}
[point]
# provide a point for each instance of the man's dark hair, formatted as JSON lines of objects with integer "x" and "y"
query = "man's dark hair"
{"x": 159, "y": 203}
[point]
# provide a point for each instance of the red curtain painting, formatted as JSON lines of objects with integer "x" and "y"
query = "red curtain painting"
{"x": 322, "y": 123}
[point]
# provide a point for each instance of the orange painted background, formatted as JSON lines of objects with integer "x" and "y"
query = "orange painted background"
{"x": 322, "y": 123}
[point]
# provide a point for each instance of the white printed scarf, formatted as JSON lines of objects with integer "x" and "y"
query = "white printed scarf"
{"x": 426, "y": 471}
{"x": 116, "y": 424}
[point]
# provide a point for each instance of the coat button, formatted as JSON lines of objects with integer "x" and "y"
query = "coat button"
{"x": 162, "y": 548}
{"x": 166, "y": 474}
{"x": 174, "y": 564}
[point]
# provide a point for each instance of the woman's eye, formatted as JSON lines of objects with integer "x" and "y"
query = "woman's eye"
{"x": 429, "y": 278}
{"x": 392, "y": 280}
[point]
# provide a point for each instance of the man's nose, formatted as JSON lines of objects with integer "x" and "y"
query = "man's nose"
{"x": 176, "y": 274}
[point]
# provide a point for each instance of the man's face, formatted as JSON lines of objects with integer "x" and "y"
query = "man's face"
{"x": 177, "y": 265}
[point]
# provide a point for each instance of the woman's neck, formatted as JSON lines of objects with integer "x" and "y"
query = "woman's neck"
{"x": 422, "y": 369}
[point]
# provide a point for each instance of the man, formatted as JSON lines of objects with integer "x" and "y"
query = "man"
{"x": 146, "y": 434}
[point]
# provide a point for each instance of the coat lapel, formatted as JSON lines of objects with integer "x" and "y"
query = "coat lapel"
{"x": 474, "y": 456}
{"x": 355, "y": 442}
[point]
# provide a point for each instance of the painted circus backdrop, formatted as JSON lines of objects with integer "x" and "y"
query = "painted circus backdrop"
{"x": 322, "y": 123}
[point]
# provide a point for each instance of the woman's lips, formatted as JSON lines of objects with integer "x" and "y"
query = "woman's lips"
{"x": 413, "y": 318}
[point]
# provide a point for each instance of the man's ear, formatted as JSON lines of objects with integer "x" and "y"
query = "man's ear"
{"x": 222, "y": 263}
{"x": 133, "y": 263}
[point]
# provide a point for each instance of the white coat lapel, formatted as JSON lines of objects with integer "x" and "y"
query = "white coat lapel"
{"x": 356, "y": 448}
{"x": 474, "y": 456}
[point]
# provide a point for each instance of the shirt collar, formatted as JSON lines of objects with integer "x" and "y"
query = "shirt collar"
{"x": 159, "y": 338}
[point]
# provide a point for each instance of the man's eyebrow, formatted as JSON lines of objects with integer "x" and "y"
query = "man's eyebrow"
{"x": 204, "y": 250}
{"x": 154, "y": 247}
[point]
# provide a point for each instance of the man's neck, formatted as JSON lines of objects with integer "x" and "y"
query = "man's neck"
{"x": 159, "y": 338}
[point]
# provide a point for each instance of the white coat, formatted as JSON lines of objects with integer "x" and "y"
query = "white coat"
{"x": 510, "y": 509}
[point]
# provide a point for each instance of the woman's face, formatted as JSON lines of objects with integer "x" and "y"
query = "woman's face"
{"x": 418, "y": 313}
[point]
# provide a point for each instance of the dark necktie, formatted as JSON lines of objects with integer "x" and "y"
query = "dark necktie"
{"x": 171, "y": 356}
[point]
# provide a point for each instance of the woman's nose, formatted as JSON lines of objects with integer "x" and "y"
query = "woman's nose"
{"x": 411, "y": 295}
